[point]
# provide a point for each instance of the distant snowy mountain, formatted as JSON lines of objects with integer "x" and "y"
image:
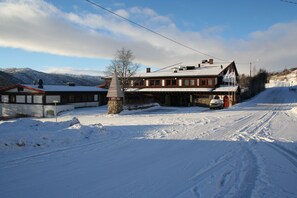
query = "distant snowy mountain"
{"x": 28, "y": 76}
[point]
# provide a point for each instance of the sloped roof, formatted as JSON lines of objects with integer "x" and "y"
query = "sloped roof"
{"x": 204, "y": 69}
{"x": 115, "y": 90}
{"x": 57, "y": 88}
{"x": 169, "y": 90}
{"x": 226, "y": 88}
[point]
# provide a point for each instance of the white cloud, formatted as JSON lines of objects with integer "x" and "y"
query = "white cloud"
{"x": 36, "y": 25}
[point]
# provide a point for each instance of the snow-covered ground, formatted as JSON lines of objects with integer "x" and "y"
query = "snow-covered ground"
{"x": 248, "y": 150}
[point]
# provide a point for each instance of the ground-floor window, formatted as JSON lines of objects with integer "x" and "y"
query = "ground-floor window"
{"x": 12, "y": 99}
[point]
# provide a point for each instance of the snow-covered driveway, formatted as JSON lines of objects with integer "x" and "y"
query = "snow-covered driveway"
{"x": 248, "y": 150}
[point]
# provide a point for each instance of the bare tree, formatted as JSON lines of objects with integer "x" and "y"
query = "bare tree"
{"x": 123, "y": 65}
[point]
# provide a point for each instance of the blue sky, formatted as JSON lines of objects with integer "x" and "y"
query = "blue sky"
{"x": 76, "y": 37}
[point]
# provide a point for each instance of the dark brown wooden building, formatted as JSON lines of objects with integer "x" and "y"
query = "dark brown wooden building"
{"x": 186, "y": 85}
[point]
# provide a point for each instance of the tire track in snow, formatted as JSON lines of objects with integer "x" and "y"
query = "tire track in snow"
{"x": 234, "y": 174}
{"x": 252, "y": 133}
{"x": 107, "y": 141}
{"x": 288, "y": 154}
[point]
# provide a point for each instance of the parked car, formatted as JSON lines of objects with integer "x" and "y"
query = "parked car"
{"x": 216, "y": 103}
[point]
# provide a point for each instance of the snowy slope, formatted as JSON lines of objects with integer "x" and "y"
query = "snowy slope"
{"x": 288, "y": 79}
{"x": 248, "y": 150}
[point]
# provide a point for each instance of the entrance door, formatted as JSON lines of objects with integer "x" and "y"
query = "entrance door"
{"x": 226, "y": 101}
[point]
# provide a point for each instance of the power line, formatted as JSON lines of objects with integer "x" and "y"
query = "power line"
{"x": 168, "y": 67}
{"x": 292, "y": 2}
{"x": 152, "y": 31}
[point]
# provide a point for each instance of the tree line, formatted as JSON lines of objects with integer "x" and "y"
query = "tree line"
{"x": 252, "y": 85}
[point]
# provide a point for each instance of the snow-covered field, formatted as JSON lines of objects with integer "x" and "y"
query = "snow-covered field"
{"x": 249, "y": 150}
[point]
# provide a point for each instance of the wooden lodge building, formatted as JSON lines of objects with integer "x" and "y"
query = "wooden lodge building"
{"x": 43, "y": 100}
{"x": 186, "y": 85}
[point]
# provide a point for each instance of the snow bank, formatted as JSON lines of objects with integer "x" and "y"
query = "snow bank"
{"x": 30, "y": 134}
{"x": 294, "y": 110}
{"x": 139, "y": 107}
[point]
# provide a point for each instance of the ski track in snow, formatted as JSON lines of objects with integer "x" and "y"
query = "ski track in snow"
{"x": 178, "y": 153}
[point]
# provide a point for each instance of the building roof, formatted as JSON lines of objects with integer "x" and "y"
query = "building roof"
{"x": 115, "y": 90}
{"x": 226, "y": 88}
{"x": 169, "y": 90}
{"x": 56, "y": 88}
{"x": 204, "y": 69}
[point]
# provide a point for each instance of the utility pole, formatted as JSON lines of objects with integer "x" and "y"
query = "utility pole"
{"x": 250, "y": 69}
{"x": 55, "y": 102}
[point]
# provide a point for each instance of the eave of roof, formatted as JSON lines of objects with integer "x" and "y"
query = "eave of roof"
{"x": 169, "y": 90}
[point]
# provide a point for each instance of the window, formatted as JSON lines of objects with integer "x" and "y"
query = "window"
{"x": 95, "y": 97}
{"x": 173, "y": 82}
{"x": 157, "y": 82}
{"x": 64, "y": 99}
{"x": 91, "y": 98}
{"x": 84, "y": 98}
{"x": 168, "y": 82}
{"x": 51, "y": 99}
{"x": 138, "y": 82}
{"x": 152, "y": 82}
{"x": 71, "y": 98}
{"x": 186, "y": 82}
{"x": 5, "y": 98}
{"x": 12, "y": 99}
{"x": 20, "y": 99}
{"x": 203, "y": 82}
{"x": 37, "y": 99}
{"x": 29, "y": 99}
{"x": 192, "y": 82}
{"x": 141, "y": 82}
{"x": 209, "y": 82}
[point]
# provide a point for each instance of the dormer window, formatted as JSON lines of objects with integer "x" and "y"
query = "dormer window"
{"x": 20, "y": 89}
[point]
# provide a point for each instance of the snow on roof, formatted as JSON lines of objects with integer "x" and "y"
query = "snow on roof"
{"x": 226, "y": 88}
{"x": 204, "y": 70}
{"x": 66, "y": 88}
{"x": 169, "y": 90}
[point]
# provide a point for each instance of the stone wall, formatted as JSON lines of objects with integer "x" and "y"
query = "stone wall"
{"x": 202, "y": 101}
{"x": 115, "y": 106}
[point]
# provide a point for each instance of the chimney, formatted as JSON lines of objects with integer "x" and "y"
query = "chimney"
{"x": 40, "y": 83}
{"x": 148, "y": 70}
{"x": 210, "y": 61}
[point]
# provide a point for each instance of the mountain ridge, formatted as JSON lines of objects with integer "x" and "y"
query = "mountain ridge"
{"x": 9, "y": 76}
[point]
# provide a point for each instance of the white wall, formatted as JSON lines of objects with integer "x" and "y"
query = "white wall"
{"x": 38, "y": 110}
{"x": 48, "y": 109}
{"x": 14, "y": 109}
{"x": 50, "y": 99}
